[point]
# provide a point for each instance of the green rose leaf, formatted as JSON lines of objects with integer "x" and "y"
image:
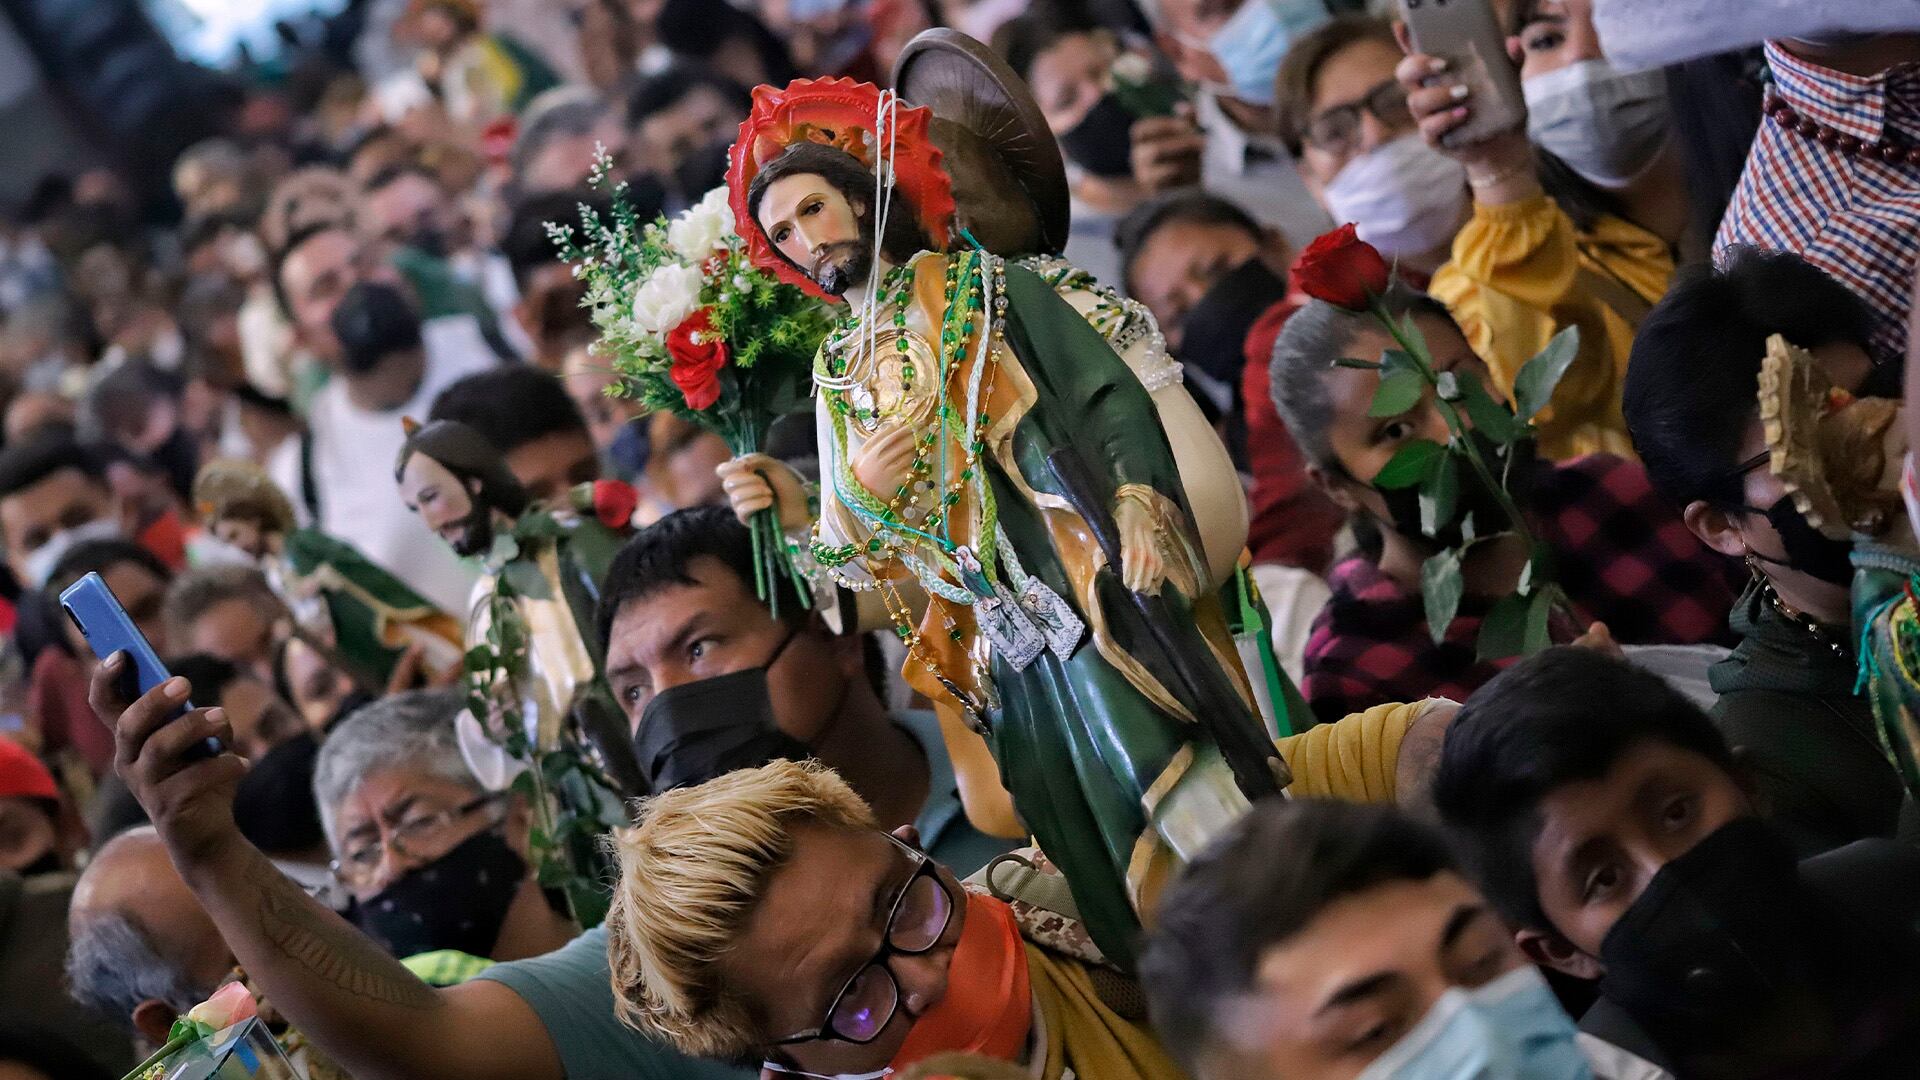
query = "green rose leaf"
{"x": 1503, "y": 633}
{"x": 1399, "y": 360}
{"x": 1399, "y": 391}
{"x": 1411, "y": 465}
{"x": 1490, "y": 418}
{"x": 1533, "y": 387}
{"x": 1440, "y": 496}
{"x": 526, "y": 579}
{"x": 1539, "y": 608}
{"x": 1441, "y": 586}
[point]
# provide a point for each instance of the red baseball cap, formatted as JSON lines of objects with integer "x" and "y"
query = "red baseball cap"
{"x": 21, "y": 774}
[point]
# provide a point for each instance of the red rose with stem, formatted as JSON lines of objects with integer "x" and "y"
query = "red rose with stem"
{"x": 698, "y": 355}
{"x": 1342, "y": 269}
{"x": 614, "y": 503}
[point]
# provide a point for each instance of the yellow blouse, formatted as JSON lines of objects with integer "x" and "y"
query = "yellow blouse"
{"x": 1521, "y": 272}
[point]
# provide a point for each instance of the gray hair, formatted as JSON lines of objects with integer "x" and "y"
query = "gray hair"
{"x": 413, "y": 730}
{"x": 113, "y": 966}
{"x": 1313, "y": 338}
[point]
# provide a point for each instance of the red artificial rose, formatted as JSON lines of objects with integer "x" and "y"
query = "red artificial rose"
{"x": 614, "y": 503}
{"x": 1342, "y": 269}
{"x": 698, "y": 355}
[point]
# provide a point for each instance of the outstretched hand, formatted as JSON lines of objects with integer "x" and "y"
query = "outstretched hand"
{"x": 189, "y": 796}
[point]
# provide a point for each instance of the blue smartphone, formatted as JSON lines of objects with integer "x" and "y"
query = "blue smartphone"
{"x": 97, "y": 614}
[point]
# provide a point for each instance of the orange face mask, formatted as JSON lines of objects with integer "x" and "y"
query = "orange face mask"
{"x": 988, "y": 1006}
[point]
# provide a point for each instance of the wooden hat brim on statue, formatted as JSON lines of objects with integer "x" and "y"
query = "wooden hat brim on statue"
{"x": 1009, "y": 179}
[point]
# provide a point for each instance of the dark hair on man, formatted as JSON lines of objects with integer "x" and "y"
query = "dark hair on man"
{"x": 24, "y": 464}
{"x": 511, "y": 406}
{"x": 1695, "y": 367}
{"x": 527, "y": 244}
{"x": 209, "y": 675}
{"x": 100, "y": 556}
{"x": 659, "y": 556}
{"x": 699, "y": 28}
{"x": 665, "y": 89}
{"x": 1023, "y": 38}
{"x": 1556, "y": 718}
{"x": 1188, "y": 206}
{"x": 904, "y": 238}
{"x": 277, "y": 260}
{"x": 1303, "y": 355}
{"x": 390, "y": 174}
{"x": 1300, "y": 70}
{"x": 1265, "y": 880}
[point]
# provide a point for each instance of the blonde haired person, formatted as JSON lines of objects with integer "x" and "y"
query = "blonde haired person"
{"x": 764, "y": 913}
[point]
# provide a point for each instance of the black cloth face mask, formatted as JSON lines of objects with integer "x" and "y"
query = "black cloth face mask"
{"x": 1213, "y": 333}
{"x": 1808, "y": 550}
{"x": 274, "y": 804}
{"x": 1102, "y": 142}
{"x": 1723, "y": 941}
{"x": 696, "y": 731}
{"x": 1476, "y": 498}
{"x": 374, "y": 321}
{"x": 459, "y": 901}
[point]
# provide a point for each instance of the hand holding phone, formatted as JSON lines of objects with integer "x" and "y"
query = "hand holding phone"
{"x": 97, "y": 614}
{"x": 1467, "y": 35}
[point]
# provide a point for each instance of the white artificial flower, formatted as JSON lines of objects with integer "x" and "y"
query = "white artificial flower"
{"x": 702, "y": 228}
{"x": 670, "y": 294}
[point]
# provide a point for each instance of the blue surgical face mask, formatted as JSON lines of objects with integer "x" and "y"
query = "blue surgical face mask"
{"x": 1509, "y": 1029}
{"x": 1251, "y": 44}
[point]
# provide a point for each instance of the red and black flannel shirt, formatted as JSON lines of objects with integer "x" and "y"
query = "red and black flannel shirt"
{"x": 1622, "y": 555}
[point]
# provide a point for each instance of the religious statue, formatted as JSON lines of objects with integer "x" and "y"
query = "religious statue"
{"x": 537, "y": 687}
{"x": 1841, "y": 458}
{"x": 344, "y": 605}
{"x": 980, "y": 441}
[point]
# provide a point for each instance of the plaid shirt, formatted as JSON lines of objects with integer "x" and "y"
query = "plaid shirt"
{"x": 1856, "y": 217}
{"x": 1621, "y": 553}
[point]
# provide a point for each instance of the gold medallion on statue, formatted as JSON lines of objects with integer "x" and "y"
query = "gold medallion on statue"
{"x": 892, "y": 385}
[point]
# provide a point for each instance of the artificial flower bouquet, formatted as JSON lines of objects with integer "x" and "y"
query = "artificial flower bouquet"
{"x": 222, "y": 1038}
{"x": 1485, "y": 434}
{"x": 692, "y": 327}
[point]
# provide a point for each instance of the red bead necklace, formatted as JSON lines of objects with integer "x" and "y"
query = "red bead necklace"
{"x": 1886, "y": 150}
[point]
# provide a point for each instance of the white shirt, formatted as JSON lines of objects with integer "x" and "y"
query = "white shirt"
{"x": 1255, "y": 172}
{"x": 354, "y": 451}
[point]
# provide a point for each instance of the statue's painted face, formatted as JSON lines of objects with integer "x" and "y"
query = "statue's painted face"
{"x": 243, "y": 533}
{"x": 446, "y": 505}
{"x": 812, "y": 224}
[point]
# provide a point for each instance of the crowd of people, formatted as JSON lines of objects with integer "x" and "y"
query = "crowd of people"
{"x": 1667, "y": 839}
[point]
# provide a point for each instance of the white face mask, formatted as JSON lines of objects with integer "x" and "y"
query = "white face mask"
{"x": 1509, "y": 1029}
{"x": 1406, "y": 197}
{"x": 39, "y": 565}
{"x": 1607, "y": 125}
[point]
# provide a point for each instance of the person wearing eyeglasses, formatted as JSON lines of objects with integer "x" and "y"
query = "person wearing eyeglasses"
{"x": 1787, "y": 698}
{"x": 437, "y": 866}
{"x": 808, "y": 938}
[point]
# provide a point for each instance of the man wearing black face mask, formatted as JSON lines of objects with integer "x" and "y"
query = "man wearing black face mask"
{"x": 388, "y": 361}
{"x": 1787, "y": 694}
{"x": 434, "y": 862}
{"x": 712, "y": 682}
{"x": 1607, "y": 821}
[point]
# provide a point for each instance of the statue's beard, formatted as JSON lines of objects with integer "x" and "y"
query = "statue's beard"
{"x": 842, "y": 266}
{"x": 473, "y": 534}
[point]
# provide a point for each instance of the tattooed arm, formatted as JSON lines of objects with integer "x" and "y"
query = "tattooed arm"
{"x": 339, "y": 988}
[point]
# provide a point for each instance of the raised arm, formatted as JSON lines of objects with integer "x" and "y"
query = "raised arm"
{"x": 340, "y": 989}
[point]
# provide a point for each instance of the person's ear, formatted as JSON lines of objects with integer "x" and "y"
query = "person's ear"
{"x": 849, "y": 650}
{"x": 1549, "y": 950}
{"x": 1335, "y": 488}
{"x": 473, "y": 486}
{"x": 1716, "y": 528}
{"x": 1747, "y": 779}
{"x": 1403, "y": 37}
{"x": 909, "y": 836}
{"x": 153, "y": 1019}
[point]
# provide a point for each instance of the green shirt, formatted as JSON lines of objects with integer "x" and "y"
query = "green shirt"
{"x": 571, "y": 989}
